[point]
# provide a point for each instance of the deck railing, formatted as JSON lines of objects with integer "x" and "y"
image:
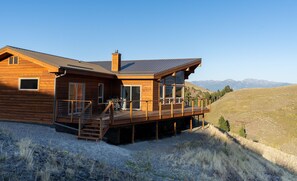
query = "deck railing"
{"x": 73, "y": 109}
{"x": 167, "y": 110}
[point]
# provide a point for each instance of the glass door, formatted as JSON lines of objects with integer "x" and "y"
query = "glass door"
{"x": 131, "y": 93}
{"x": 76, "y": 97}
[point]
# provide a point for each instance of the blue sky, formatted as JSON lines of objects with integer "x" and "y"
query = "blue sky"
{"x": 235, "y": 39}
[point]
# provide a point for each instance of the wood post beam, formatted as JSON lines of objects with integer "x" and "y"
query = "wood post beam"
{"x": 191, "y": 124}
{"x": 133, "y": 133}
{"x": 157, "y": 130}
{"x": 174, "y": 128}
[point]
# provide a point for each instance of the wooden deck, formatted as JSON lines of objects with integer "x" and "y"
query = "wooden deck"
{"x": 123, "y": 118}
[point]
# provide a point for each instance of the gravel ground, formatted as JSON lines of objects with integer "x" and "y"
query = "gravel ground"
{"x": 201, "y": 155}
{"x": 47, "y": 136}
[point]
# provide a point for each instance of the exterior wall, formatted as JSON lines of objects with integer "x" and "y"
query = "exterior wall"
{"x": 27, "y": 106}
{"x": 91, "y": 88}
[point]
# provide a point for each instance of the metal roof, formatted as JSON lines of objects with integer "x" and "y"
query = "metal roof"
{"x": 60, "y": 62}
{"x": 148, "y": 66}
{"x": 136, "y": 67}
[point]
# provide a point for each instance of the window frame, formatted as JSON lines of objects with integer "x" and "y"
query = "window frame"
{"x": 102, "y": 96}
{"x": 13, "y": 57}
{"x": 28, "y": 78}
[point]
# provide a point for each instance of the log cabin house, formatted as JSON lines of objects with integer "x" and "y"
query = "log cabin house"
{"x": 94, "y": 97}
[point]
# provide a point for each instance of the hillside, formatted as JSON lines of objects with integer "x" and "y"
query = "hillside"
{"x": 201, "y": 155}
{"x": 191, "y": 85}
{"x": 215, "y": 85}
{"x": 269, "y": 115}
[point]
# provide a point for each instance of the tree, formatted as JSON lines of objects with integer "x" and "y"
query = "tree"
{"x": 224, "y": 124}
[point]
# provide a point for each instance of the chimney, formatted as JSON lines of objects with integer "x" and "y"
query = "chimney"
{"x": 116, "y": 61}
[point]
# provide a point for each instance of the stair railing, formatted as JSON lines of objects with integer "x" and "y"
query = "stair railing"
{"x": 81, "y": 119}
{"x": 110, "y": 109}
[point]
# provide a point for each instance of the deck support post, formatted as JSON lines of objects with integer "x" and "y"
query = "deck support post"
{"x": 157, "y": 130}
{"x": 131, "y": 111}
{"x": 133, "y": 133}
{"x": 174, "y": 127}
{"x": 203, "y": 119}
{"x": 191, "y": 124}
{"x": 146, "y": 112}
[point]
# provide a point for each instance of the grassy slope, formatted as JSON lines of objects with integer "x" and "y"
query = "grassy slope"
{"x": 269, "y": 115}
{"x": 190, "y": 85}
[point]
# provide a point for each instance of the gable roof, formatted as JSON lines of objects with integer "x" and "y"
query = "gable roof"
{"x": 153, "y": 67}
{"x": 129, "y": 68}
{"x": 58, "y": 61}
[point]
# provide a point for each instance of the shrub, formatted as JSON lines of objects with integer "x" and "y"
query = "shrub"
{"x": 242, "y": 132}
{"x": 224, "y": 124}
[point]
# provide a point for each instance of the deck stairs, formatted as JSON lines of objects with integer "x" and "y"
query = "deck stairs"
{"x": 93, "y": 130}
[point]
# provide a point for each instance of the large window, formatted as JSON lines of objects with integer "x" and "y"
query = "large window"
{"x": 28, "y": 84}
{"x": 76, "y": 97}
{"x": 172, "y": 88}
{"x": 100, "y": 93}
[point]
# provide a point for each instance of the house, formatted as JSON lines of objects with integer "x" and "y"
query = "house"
{"x": 48, "y": 89}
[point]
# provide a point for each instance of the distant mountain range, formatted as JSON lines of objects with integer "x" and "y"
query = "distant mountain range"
{"x": 215, "y": 85}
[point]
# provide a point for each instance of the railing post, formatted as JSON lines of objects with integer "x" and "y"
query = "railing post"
{"x": 192, "y": 106}
{"x": 172, "y": 109}
{"x": 101, "y": 128}
{"x": 91, "y": 107}
{"x": 160, "y": 110}
{"x": 183, "y": 107}
{"x": 146, "y": 112}
{"x": 72, "y": 107}
{"x": 112, "y": 113}
{"x": 131, "y": 111}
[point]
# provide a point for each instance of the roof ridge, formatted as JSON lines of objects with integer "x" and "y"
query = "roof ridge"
{"x": 148, "y": 59}
{"x": 43, "y": 53}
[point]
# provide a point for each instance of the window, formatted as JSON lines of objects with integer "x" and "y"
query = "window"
{"x": 100, "y": 93}
{"x": 13, "y": 60}
{"x": 172, "y": 88}
{"x": 30, "y": 84}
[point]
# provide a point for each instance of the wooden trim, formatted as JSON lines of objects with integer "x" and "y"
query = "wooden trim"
{"x": 135, "y": 76}
{"x": 176, "y": 69}
{"x": 32, "y": 78}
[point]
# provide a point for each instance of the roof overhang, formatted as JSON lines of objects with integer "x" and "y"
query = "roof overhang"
{"x": 188, "y": 68}
{"x": 7, "y": 52}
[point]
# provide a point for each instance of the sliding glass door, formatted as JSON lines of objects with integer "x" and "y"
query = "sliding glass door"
{"x": 76, "y": 97}
{"x": 131, "y": 93}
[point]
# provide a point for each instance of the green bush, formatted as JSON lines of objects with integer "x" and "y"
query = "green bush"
{"x": 224, "y": 124}
{"x": 242, "y": 132}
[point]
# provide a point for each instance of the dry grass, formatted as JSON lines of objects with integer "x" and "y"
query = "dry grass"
{"x": 269, "y": 115}
{"x": 26, "y": 149}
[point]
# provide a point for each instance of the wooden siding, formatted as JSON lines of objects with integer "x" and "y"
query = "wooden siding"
{"x": 27, "y": 106}
{"x": 91, "y": 87}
